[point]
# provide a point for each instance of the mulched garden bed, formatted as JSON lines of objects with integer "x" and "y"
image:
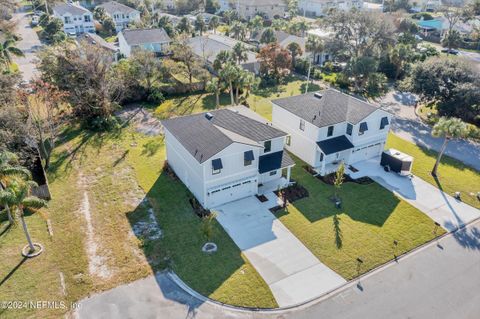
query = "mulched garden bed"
{"x": 330, "y": 178}
{"x": 197, "y": 208}
{"x": 293, "y": 192}
{"x": 262, "y": 198}
{"x": 275, "y": 209}
{"x": 169, "y": 171}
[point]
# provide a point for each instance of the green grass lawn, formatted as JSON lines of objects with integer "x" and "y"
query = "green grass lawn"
{"x": 117, "y": 171}
{"x": 453, "y": 175}
{"x": 371, "y": 219}
{"x": 259, "y": 100}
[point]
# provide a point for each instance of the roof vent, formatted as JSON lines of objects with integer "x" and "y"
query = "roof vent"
{"x": 209, "y": 116}
{"x": 318, "y": 95}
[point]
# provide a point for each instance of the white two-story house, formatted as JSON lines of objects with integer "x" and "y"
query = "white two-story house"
{"x": 154, "y": 40}
{"x": 121, "y": 14}
{"x": 227, "y": 154}
{"x": 76, "y": 19}
{"x": 329, "y": 127}
{"x": 318, "y": 8}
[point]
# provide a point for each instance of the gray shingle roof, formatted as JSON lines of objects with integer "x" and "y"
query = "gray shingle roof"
{"x": 208, "y": 46}
{"x": 113, "y": 7}
{"x": 274, "y": 161}
{"x": 95, "y": 39}
{"x": 332, "y": 108}
{"x": 204, "y": 138}
{"x": 63, "y": 8}
{"x": 142, "y": 36}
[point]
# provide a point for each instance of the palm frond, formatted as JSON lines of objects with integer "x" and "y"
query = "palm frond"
{"x": 33, "y": 203}
{"x": 15, "y": 171}
{"x": 16, "y": 51}
{"x": 8, "y": 158}
{"x": 7, "y": 197}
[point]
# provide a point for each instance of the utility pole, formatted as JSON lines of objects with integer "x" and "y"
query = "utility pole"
{"x": 46, "y": 7}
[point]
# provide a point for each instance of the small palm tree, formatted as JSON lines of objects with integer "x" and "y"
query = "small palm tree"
{"x": 9, "y": 168}
{"x": 17, "y": 196}
{"x": 338, "y": 181}
{"x": 7, "y": 49}
{"x": 295, "y": 50}
{"x": 239, "y": 52}
{"x": 448, "y": 128}
{"x": 229, "y": 74}
{"x": 215, "y": 86}
{"x": 214, "y": 23}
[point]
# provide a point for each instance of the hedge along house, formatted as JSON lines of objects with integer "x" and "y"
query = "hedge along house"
{"x": 227, "y": 154}
{"x": 329, "y": 127}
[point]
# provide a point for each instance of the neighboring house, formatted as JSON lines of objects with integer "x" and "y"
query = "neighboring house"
{"x": 94, "y": 39}
{"x": 76, "y": 19}
{"x": 372, "y": 7}
{"x": 321, "y": 57}
{"x": 208, "y": 46}
{"x": 318, "y": 8}
{"x": 283, "y": 39}
{"x": 225, "y": 155}
{"x": 121, "y": 14}
{"x": 154, "y": 40}
{"x": 175, "y": 20}
{"x": 328, "y": 127}
{"x": 248, "y": 9}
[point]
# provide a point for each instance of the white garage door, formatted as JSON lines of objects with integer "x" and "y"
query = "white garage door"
{"x": 230, "y": 192}
{"x": 365, "y": 152}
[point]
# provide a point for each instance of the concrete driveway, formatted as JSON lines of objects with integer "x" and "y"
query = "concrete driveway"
{"x": 292, "y": 272}
{"x": 439, "y": 206}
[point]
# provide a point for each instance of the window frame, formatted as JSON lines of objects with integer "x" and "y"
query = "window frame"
{"x": 288, "y": 140}
{"x": 349, "y": 126}
{"x": 330, "y": 130}
{"x": 269, "y": 143}
{"x": 302, "y": 125}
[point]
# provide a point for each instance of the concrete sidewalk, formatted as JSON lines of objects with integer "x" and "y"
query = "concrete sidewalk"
{"x": 439, "y": 206}
{"x": 292, "y": 272}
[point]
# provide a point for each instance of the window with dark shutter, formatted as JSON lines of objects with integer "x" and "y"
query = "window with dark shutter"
{"x": 248, "y": 158}
{"x": 363, "y": 128}
{"x": 302, "y": 125}
{"x": 216, "y": 166}
{"x": 330, "y": 131}
{"x": 267, "y": 146}
{"x": 384, "y": 122}
{"x": 349, "y": 129}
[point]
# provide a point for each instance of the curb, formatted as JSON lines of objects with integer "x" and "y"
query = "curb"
{"x": 356, "y": 281}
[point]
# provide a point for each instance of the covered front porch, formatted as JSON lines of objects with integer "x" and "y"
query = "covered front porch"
{"x": 332, "y": 153}
{"x": 275, "y": 171}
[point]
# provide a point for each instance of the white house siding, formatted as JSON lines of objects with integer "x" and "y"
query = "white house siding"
{"x": 302, "y": 143}
{"x": 122, "y": 20}
{"x": 125, "y": 49}
{"x": 321, "y": 7}
{"x": 187, "y": 168}
{"x": 76, "y": 23}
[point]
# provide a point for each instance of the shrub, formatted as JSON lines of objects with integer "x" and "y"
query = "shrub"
{"x": 100, "y": 124}
{"x": 424, "y": 15}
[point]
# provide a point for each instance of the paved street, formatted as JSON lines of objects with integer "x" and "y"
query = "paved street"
{"x": 440, "y": 281}
{"x": 409, "y": 127}
{"x": 29, "y": 45}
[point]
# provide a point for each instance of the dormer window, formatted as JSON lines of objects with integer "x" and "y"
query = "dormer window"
{"x": 267, "y": 146}
{"x": 330, "y": 131}
{"x": 384, "y": 122}
{"x": 363, "y": 128}
{"x": 216, "y": 166}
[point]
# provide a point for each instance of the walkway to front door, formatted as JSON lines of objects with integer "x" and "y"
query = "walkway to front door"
{"x": 292, "y": 272}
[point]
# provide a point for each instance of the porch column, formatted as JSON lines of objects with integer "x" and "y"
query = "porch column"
{"x": 288, "y": 174}
{"x": 323, "y": 165}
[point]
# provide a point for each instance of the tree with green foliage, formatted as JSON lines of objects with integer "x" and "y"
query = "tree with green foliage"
{"x": 216, "y": 87}
{"x": 184, "y": 26}
{"x": 53, "y": 31}
{"x": 451, "y": 83}
{"x": 452, "y": 40}
{"x": 17, "y": 195}
{"x": 239, "y": 52}
{"x": 208, "y": 230}
{"x": 9, "y": 169}
{"x": 222, "y": 58}
{"x": 255, "y": 25}
{"x": 7, "y": 49}
{"x": 295, "y": 50}
{"x": 230, "y": 16}
{"x": 238, "y": 31}
{"x": 200, "y": 24}
{"x": 268, "y": 36}
{"x": 338, "y": 180}
{"x": 211, "y": 6}
{"x": 229, "y": 74}
{"x": 448, "y": 128}
{"x": 166, "y": 24}
{"x": 214, "y": 23}
{"x": 400, "y": 56}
